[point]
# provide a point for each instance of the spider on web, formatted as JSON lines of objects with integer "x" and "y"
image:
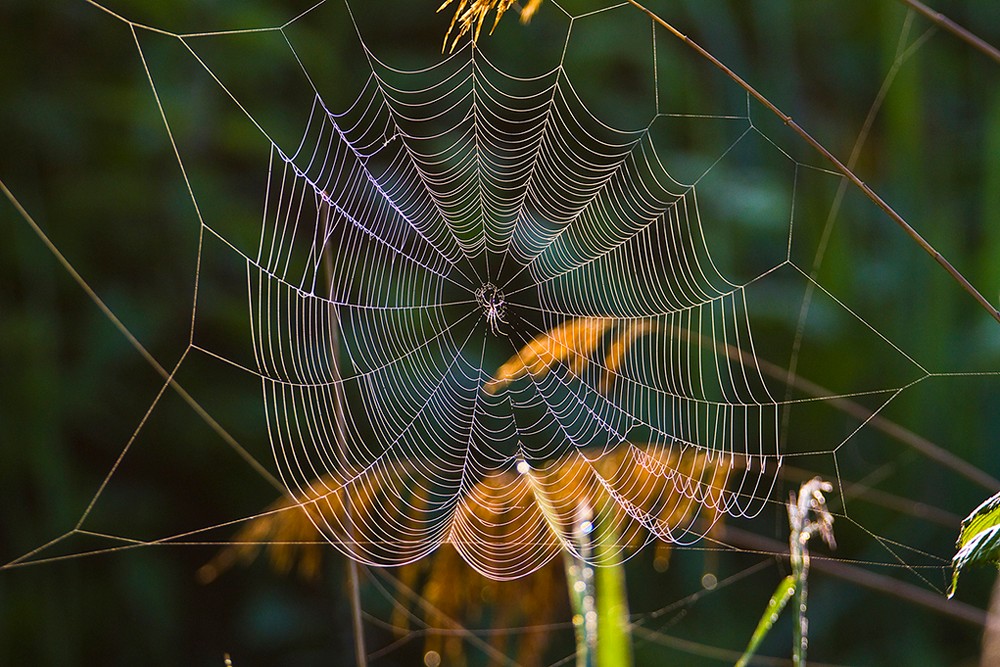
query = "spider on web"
{"x": 491, "y": 300}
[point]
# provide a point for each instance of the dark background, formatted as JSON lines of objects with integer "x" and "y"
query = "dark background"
{"x": 83, "y": 146}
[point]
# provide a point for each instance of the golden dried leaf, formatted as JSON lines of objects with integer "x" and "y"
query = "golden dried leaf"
{"x": 287, "y": 527}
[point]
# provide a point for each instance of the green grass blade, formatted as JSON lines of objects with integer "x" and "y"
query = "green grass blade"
{"x": 979, "y": 539}
{"x": 614, "y": 641}
{"x": 580, "y": 585}
{"x": 781, "y": 596}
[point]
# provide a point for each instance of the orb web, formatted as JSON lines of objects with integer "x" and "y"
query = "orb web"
{"x": 483, "y": 316}
{"x": 460, "y": 215}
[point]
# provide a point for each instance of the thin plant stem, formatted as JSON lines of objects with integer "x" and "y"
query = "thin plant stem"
{"x": 357, "y": 624}
{"x": 807, "y": 516}
{"x": 933, "y": 601}
{"x": 580, "y": 585}
{"x": 991, "y": 635}
{"x": 850, "y": 407}
{"x": 361, "y": 656}
{"x": 784, "y": 591}
{"x": 800, "y": 601}
{"x": 830, "y": 157}
{"x": 963, "y": 34}
{"x": 614, "y": 634}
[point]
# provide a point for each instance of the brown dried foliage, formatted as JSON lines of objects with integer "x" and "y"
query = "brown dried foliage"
{"x": 508, "y": 513}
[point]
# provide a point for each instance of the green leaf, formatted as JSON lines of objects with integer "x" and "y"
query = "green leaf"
{"x": 777, "y": 602}
{"x": 979, "y": 539}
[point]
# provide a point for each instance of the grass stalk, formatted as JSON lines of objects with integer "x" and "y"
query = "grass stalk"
{"x": 800, "y": 602}
{"x": 614, "y": 640}
{"x": 843, "y": 169}
{"x": 580, "y": 584}
{"x": 807, "y": 516}
{"x": 963, "y": 34}
{"x": 775, "y": 605}
{"x": 357, "y": 622}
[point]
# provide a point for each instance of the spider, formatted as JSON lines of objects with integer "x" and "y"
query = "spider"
{"x": 490, "y": 298}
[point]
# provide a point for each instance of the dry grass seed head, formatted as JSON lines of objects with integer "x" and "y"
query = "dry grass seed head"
{"x": 470, "y": 15}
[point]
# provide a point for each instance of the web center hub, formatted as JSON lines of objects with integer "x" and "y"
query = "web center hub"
{"x": 491, "y": 300}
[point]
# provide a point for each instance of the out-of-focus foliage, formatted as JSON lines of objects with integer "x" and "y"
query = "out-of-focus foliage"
{"x": 82, "y": 144}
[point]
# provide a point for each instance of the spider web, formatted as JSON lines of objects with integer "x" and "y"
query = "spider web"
{"x": 388, "y": 209}
{"x": 381, "y": 229}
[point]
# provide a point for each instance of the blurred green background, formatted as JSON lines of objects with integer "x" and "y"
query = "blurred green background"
{"x": 84, "y": 148}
